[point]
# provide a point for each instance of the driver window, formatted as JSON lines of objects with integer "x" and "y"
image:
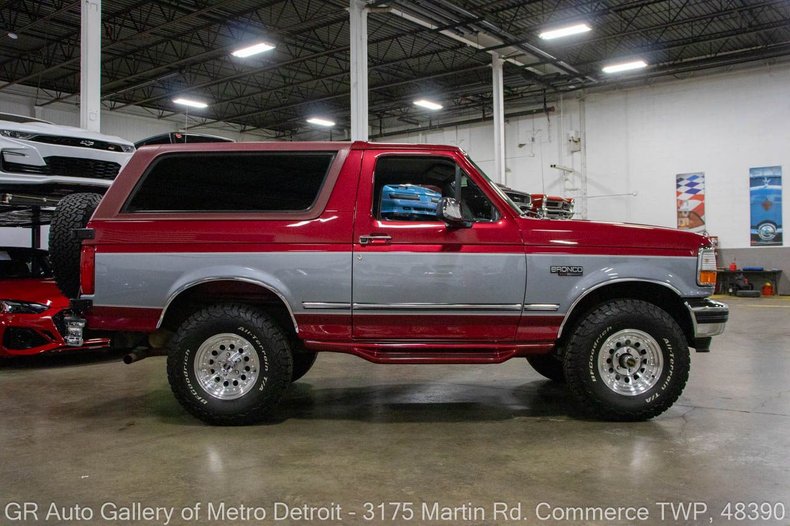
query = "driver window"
{"x": 410, "y": 188}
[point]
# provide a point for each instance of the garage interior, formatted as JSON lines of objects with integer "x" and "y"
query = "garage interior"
{"x": 538, "y": 115}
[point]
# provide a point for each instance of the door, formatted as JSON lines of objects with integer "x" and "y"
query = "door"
{"x": 414, "y": 277}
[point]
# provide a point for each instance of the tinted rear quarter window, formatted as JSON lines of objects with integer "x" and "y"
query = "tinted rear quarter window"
{"x": 232, "y": 182}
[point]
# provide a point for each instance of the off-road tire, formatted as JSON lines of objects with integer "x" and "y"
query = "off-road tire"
{"x": 267, "y": 339}
{"x": 73, "y": 212}
{"x": 548, "y": 365}
{"x": 302, "y": 362}
{"x": 581, "y": 361}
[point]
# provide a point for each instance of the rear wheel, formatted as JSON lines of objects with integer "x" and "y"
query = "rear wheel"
{"x": 549, "y": 365}
{"x": 73, "y": 212}
{"x": 627, "y": 360}
{"x": 229, "y": 364}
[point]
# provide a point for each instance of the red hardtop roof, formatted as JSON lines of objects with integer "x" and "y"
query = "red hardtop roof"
{"x": 297, "y": 146}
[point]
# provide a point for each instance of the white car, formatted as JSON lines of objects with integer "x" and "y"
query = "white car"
{"x": 41, "y": 158}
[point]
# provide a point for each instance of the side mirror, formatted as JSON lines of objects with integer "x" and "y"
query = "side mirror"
{"x": 449, "y": 210}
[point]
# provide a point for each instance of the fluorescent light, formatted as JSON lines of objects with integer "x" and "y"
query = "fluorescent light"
{"x": 428, "y": 104}
{"x": 625, "y": 66}
{"x": 191, "y": 103}
{"x": 318, "y": 121}
{"x": 254, "y": 49}
{"x": 565, "y": 31}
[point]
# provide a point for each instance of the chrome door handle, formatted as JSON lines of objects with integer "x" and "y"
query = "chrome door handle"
{"x": 370, "y": 239}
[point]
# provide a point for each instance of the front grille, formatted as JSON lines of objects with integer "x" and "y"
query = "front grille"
{"x": 78, "y": 143}
{"x": 556, "y": 209}
{"x": 553, "y": 204}
{"x": 67, "y": 166}
{"x": 21, "y": 338}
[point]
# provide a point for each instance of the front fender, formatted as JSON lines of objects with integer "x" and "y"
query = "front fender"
{"x": 564, "y": 291}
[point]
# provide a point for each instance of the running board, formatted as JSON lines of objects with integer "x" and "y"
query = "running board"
{"x": 431, "y": 352}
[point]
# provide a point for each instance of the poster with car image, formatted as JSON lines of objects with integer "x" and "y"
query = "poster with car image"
{"x": 690, "y": 195}
{"x": 765, "y": 188}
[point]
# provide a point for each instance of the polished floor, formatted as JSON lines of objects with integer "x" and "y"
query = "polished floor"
{"x": 88, "y": 431}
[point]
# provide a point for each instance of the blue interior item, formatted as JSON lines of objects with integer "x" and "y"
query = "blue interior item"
{"x": 408, "y": 201}
{"x": 753, "y": 269}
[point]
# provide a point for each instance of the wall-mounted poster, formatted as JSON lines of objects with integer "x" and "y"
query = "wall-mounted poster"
{"x": 691, "y": 201}
{"x": 765, "y": 187}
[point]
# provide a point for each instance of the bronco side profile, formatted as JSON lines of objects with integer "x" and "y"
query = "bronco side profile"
{"x": 245, "y": 260}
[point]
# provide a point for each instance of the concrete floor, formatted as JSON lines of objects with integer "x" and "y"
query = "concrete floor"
{"x": 87, "y": 430}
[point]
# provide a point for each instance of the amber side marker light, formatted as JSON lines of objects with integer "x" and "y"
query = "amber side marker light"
{"x": 706, "y": 268}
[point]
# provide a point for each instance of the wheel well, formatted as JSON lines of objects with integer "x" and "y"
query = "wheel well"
{"x": 227, "y": 291}
{"x": 659, "y": 295}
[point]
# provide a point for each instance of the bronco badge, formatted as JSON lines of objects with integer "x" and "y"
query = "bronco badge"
{"x": 566, "y": 270}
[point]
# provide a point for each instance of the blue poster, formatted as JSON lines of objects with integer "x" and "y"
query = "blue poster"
{"x": 765, "y": 187}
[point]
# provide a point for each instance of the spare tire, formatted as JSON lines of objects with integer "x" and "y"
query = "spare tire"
{"x": 73, "y": 212}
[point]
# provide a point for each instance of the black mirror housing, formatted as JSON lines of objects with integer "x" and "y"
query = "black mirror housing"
{"x": 449, "y": 210}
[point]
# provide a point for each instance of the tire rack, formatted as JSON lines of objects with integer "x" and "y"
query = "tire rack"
{"x": 17, "y": 210}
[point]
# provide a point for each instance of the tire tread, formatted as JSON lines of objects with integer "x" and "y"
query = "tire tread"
{"x": 73, "y": 211}
{"x": 279, "y": 354}
{"x": 577, "y": 355}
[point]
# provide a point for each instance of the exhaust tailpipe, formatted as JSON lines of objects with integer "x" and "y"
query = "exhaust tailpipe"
{"x": 142, "y": 353}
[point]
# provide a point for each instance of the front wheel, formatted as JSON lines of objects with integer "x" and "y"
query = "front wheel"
{"x": 548, "y": 365}
{"x": 627, "y": 360}
{"x": 229, "y": 364}
{"x": 767, "y": 231}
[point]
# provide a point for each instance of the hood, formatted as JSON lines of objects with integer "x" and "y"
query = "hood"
{"x": 625, "y": 237}
{"x": 43, "y": 291}
{"x": 63, "y": 131}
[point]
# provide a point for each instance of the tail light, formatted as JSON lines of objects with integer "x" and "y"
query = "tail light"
{"x": 706, "y": 267}
{"x": 87, "y": 269}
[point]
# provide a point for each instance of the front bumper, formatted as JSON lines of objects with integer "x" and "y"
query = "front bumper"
{"x": 708, "y": 317}
{"x": 38, "y": 164}
{"x": 28, "y": 334}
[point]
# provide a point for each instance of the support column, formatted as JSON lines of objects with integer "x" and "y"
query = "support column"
{"x": 90, "y": 65}
{"x": 359, "y": 70}
{"x": 498, "y": 88}
{"x": 35, "y": 229}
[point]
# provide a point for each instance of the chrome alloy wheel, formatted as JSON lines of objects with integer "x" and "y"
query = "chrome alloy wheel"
{"x": 226, "y": 366}
{"x": 630, "y": 362}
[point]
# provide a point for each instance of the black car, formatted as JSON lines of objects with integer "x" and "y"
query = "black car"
{"x": 181, "y": 138}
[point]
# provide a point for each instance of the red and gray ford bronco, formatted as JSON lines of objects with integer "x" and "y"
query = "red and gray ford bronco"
{"x": 243, "y": 261}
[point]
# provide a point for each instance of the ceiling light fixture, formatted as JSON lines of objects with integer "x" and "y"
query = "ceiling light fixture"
{"x": 254, "y": 49}
{"x": 12, "y": 35}
{"x": 191, "y": 103}
{"x": 428, "y": 104}
{"x": 318, "y": 121}
{"x": 625, "y": 66}
{"x": 565, "y": 31}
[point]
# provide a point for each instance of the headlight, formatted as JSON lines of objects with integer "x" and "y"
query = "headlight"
{"x": 21, "y": 307}
{"x": 14, "y": 134}
{"x": 127, "y": 149}
{"x": 706, "y": 267}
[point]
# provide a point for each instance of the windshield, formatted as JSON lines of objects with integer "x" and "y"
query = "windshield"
{"x": 10, "y": 117}
{"x": 497, "y": 189}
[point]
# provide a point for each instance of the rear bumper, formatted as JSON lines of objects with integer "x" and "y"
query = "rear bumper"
{"x": 708, "y": 317}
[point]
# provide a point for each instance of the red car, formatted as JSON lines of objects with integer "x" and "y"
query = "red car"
{"x": 31, "y": 305}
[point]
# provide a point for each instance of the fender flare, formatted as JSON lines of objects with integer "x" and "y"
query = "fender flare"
{"x": 611, "y": 282}
{"x": 187, "y": 286}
